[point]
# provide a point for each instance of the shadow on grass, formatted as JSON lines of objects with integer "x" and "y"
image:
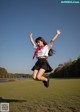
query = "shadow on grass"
{"x": 11, "y": 100}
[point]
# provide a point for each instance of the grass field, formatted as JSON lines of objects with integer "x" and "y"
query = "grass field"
{"x": 63, "y": 95}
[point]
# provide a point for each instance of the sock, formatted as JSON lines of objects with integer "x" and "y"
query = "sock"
{"x": 46, "y": 79}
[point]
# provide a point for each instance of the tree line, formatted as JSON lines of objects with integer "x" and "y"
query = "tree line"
{"x": 70, "y": 69}
{"x": 5, "y": 74}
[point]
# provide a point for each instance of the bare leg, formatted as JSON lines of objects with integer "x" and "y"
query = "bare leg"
{"x": 40, "y": 75}
{"x": 35, "y": 74}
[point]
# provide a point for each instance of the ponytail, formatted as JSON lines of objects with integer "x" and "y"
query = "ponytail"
{"x": 51, "y": 52}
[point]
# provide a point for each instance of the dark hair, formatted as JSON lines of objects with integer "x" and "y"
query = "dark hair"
{"x": 40, "y": 39}
{"x": 51, "y": 51}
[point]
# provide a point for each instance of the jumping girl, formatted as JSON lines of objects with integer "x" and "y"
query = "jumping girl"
{"x": 42, "y": 51}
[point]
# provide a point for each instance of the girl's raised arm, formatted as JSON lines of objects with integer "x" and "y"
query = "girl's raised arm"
{"x": 31, "y": 39}
{"x": 55, "y": 37}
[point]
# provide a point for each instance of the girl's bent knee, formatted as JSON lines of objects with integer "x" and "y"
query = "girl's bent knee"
{"x": 38, "y": 77}
{"x": 34, "y": 78}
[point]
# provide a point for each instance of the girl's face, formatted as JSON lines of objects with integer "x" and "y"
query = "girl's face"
{"x": 40, "y": 43}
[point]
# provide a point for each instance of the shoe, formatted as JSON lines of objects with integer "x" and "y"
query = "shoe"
{"x": 47, "y": 83}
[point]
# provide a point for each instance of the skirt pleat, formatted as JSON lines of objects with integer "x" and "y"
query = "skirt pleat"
{"x": 42, "y": 63}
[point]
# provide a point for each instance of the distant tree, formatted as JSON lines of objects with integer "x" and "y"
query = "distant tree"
{"x": 70, "y": 69}
{"x": 3, "y": 72}
{"x": 60, "y": 65}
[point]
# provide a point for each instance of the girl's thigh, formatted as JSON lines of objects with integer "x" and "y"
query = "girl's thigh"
{"x": 40, "y": 72}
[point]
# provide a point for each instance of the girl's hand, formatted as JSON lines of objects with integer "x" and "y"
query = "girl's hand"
{"x": 58, "y": 32}
{"x": 30, "y": 35}
{"x": 31, "y": 39}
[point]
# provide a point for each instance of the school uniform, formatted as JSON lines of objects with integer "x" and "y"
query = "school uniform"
{"x": 42, "y": 62}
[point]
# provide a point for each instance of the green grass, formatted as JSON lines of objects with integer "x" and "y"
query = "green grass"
{"x": 63, "y": 95}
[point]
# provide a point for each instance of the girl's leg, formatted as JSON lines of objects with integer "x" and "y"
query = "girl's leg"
{"x": 40, "y": 75}
{"x": 35, "y": 74}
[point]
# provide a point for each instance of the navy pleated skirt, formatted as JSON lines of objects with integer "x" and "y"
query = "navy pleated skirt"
{"x": 42, "y": 63}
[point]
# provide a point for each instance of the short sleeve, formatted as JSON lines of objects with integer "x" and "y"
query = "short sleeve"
{"x": 49, "y": 46}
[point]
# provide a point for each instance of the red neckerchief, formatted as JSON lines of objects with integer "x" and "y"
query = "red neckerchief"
{"x": 36, "y": 51}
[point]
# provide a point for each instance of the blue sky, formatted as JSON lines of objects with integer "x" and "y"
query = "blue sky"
{"x": 18, "y": 18}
